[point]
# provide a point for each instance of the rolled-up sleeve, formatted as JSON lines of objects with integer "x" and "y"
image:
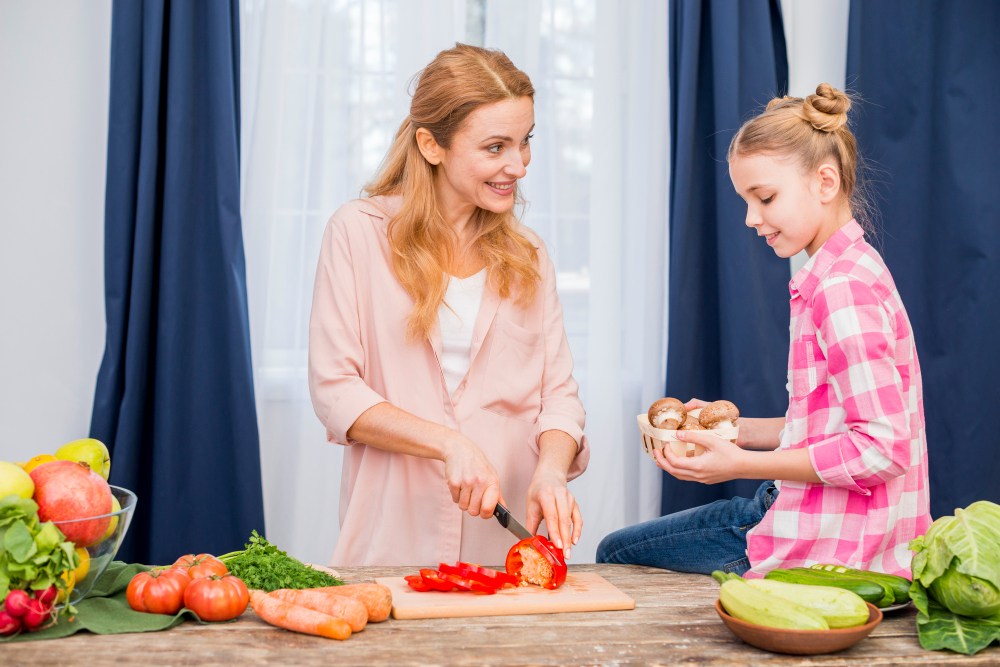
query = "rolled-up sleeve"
{"x": 855, "y": 334}
{"x": 336, "y": 356}
{"x": 562, "y": 409}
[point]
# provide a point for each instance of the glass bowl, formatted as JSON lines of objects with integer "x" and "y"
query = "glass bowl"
{"x": 103, "y": 552}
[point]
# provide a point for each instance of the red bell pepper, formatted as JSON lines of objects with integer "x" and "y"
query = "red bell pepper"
{"x": 417, "y": 583}
{"x": 434, "y": 580}
{"x": 547, "y": 553}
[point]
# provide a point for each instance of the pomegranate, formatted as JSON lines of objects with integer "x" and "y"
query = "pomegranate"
{"x": 70, "y": 491}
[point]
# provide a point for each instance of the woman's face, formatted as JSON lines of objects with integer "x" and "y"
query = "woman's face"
{"x": 790, "y": 209}
{"x": 488, "y": 154}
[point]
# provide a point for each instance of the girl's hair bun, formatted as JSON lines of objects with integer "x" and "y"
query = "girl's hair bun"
{"x": 827, "y": 109}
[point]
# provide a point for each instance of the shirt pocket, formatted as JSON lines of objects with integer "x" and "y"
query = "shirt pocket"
{"x": 808, "y": 366}
{"x": 513, "y": 382}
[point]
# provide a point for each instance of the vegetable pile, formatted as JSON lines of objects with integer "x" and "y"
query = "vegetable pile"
{"x": 36, "y": 566}
{"x": 956, "y": 580}
{"x": 882, "y": 590}
{"x": 532, "y": 561}
{"x": 262, "y": 566}
{"x": 200, "y": 583}
{"x": 779, "y": 604}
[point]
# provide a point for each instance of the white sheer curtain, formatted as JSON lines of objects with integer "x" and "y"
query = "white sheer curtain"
{"x": 598, "y": 187}
{"x": 324, "y": 88}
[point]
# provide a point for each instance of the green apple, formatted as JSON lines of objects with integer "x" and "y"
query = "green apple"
{"x": 115, "y": 506}
{"x": 89, "y": 451}
{"x": 13, "y": 480}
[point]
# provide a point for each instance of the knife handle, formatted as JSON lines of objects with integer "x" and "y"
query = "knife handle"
{"x": 502, "y": 515}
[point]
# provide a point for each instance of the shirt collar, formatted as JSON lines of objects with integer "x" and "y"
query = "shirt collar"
{"x": 806, "y": 279}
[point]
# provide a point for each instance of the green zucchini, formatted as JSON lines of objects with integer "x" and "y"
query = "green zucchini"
{"x": 868, "y": 590}
{"x": 885, "y": 600}
{"x": 900, "y": 585}
{"x": 839, "y": 608}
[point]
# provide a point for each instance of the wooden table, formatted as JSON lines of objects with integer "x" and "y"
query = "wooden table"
{"x": 674, "y": 622}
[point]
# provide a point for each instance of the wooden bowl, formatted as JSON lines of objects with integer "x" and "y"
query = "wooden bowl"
{"x": 800, "y": 642}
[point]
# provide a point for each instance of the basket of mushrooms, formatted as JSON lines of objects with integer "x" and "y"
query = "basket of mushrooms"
{"x": 667, "y": 416}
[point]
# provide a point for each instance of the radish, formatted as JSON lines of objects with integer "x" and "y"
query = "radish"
{"x": 37, "y": 614}
{"x": 17, "y": 603}
{"x": 9, "y": 624}
{"x": 47, "y": 596}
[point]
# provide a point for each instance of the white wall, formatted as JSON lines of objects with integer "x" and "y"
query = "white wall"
{"x": 54, "y": 73}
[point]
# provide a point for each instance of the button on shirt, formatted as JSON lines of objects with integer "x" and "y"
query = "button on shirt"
{"x": 396, "y": 509}
{"x": 856, "y": 403}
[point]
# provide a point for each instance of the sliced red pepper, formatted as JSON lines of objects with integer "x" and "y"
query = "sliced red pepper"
{"x": 417, "y": 583}
{"x": 483, "y": 575}
{"x": 468, "y": 584}
{"x": 547, "y": 550}
{"x": 434, "y": 580}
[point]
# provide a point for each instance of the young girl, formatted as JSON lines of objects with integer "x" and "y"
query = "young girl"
{"x": 850, "y": 452}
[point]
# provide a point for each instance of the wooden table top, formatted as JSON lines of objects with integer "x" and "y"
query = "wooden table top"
{"x": 673, "y": 622}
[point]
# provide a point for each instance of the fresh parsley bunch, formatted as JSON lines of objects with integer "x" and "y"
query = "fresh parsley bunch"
{"x": 264, "y": 567}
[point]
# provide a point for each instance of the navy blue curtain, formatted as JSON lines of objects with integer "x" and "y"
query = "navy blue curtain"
{"x": 729, "y": 313}
{"x": 174, "y": 398}
{"x": 929, "y": 74}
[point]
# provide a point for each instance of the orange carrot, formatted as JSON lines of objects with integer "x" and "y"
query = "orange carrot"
{"x": 298, "y": 619}
{"x": 376, "y": 598}
{"x": 337, "y": 606}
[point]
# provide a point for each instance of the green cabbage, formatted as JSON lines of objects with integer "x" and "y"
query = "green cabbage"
{"x": 956, "y": 579}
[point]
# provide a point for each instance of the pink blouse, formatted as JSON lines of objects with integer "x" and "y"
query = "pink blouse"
{"x": 396, "y": 509}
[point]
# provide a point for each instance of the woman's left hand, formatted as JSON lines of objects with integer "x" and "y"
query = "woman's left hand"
{"x": 549, "y": 499}
{"x": 721, "y": 461}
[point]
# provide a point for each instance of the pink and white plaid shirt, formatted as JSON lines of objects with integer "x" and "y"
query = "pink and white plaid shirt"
{"x": 856, "y": 403}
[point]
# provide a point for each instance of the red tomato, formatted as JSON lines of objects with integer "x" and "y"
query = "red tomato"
{"x": 202, "y": 565}
{"x": 548, "y": 551}
{"x": 158, "y": 591}
{"x": 215, "y": 598}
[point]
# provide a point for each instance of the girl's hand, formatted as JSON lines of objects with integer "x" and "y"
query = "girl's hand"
{"x": 721, "y": 462}
{"x": 695, "y": 404}
{"x": 549, "y": 499}
{"x": 472, "y": 479}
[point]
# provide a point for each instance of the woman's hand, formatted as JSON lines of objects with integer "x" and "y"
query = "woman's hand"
{"x": 549, "y": 499}
{"x": 472, "y": 479}
{"x": 721, "y": 462}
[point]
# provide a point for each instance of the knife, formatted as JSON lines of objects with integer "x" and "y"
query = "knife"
{"x": 510, "y": 523}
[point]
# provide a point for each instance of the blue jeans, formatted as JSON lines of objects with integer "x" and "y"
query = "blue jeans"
{"x": 700, "y": 539}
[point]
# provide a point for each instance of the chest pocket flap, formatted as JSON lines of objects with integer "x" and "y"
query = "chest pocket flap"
{"x": 513, "y": 383}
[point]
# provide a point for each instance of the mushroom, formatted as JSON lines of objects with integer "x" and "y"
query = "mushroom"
{"x": 667, "y": 413}
{"x": 720, "y": 414}
{"x": 692, "y": 425}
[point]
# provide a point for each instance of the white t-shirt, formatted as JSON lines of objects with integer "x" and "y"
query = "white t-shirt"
{"x": 457, "y": 317}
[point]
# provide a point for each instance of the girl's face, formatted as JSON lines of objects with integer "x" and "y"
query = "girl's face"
{"x": 488, "y": 155}
{"x": 792, "y": 210}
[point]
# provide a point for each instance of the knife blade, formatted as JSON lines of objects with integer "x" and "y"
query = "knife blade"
{"x": 510, "y": 523}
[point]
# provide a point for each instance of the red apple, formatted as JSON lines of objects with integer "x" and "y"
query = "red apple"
{"x": 69, "y": 491}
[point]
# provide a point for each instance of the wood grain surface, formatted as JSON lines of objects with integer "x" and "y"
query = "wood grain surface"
{"x": 674, "y": 622}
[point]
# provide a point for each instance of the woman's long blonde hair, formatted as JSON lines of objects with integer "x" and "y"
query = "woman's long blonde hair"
{"x": 456, "y": 83}
{"x": 812, "y": 129}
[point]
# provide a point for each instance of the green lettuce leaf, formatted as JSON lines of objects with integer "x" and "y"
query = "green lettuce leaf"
{"x": 940, "y": 629}
{"x": 19, "y": 542}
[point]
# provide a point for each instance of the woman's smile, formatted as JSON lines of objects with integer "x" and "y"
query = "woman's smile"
{"x": 771, "y": 237}
{"x": 502, "y": 188}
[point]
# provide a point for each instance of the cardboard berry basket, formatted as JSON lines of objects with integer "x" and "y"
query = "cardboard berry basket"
{"x": 655, "y": 438}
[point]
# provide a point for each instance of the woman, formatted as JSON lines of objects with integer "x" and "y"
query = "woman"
{"x": 436, "y": 342}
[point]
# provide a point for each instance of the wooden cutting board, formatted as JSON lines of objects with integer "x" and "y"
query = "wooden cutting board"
{"x": 582, "y": 591}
